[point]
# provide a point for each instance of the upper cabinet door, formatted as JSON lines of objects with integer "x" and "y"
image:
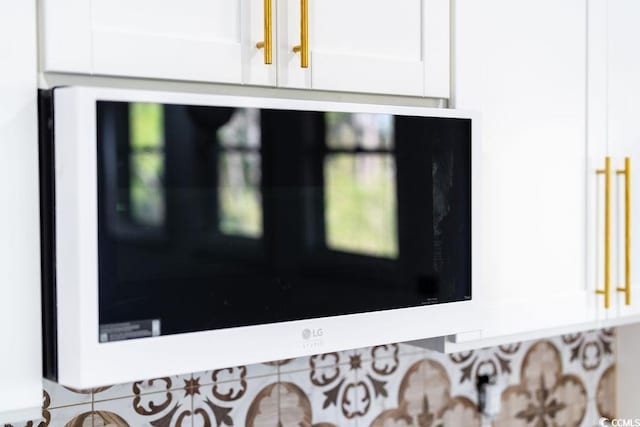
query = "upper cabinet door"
{"x": 365, "y": 46}
{"x": 623, "y": 88}
{"x": 187, "y": 40}
{"x": 374, "y": 46}
{"x": 523, "y": 65}
{"x": 259, "y": 42}
{"x": 65, "y": 35}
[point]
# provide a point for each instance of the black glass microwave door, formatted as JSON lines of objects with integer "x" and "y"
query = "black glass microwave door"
{"x": 213, "y": 217}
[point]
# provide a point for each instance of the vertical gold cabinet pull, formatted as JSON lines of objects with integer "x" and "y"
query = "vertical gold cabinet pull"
{"x": 267, "y": 44}
{"x": 627, "y": 230}
{"x": 607, "y": 233}
{"x": 303, "y": 47}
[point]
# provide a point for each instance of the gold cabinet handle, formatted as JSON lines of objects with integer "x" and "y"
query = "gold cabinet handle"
{"x": 303, "y": 47}
{"x": 627, "y": 230}
{"x": 267, "y": 44}
{"x": 607, "y": 233}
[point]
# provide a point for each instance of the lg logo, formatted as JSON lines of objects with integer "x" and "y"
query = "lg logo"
{"x": 311, "y": 333}
{"x": 312, "y": 339}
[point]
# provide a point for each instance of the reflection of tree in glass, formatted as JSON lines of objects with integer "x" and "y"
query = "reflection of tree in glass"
{"x": 146, "y": 163}
{"x": 360, "y": 194}
{"x": 240, "y": 205}
{"x": 242, "y": 129}
{"x": 359, "y": 130}
{"x": 239, "y": 194}
{"x": 360, "y": 203}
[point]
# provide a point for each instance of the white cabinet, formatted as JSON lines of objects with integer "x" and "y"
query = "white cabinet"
{"x": 20, "y": 358}
{"x": 621, "y": 87}
{"x": 358, "y": 46}
{"x": 187, "y": 40}
{"x": 558, "y": 89}
{"x": 523, "y": 65}
{"x": 596, "y": 207}
{"x": 366, "y": 46}
{"x": 190, "y": 40}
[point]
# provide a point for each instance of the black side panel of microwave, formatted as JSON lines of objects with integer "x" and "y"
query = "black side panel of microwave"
{"x": 219, "y": 217}
{"x": 47, "y": 234}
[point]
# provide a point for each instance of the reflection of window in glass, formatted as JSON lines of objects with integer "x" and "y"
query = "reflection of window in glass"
{"x": 360, "y": 193}
{"x": 359, "y": 130}
{"x": 146, "y": 163}
{"x": 240, "y": 198}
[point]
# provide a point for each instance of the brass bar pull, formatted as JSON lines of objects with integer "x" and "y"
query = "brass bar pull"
{"x": 607, "y": 233}
{"x": 267, "y": 44}
{"x": 627, "y": 230}
{"x": 303, "y": 47}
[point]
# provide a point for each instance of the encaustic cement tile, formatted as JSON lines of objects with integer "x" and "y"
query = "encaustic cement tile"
{"x": 232, "y": 374}
{"x": 588, "y": 355}
{"x": 546, "y": 394}
{"x": 323, "y": 393}
{"x": 171, "y": 408}
{"x": 424, "y": 398}
{"x": 71, "y": 416}
{"x": 502, "y": 362}
{"x": 65, "y": 396}
{"x": 380, "y": 378}
{"x": 175, "y": 382}
{"x": 305, "y": 363}
{"x": 229, "y": 399}
{"x": 605, "y": 401}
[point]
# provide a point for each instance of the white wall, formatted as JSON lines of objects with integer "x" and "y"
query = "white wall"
{"x": 628, "y": 371}
{"x": 20, "y": 349}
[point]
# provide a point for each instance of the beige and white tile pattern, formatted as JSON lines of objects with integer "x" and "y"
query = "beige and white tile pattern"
{"x": 161, "y": 409}
{"x": 329, "y": 384}
{"x": 227, "y": 399}
{"x": 141, "y": 387}
{"x": 563, "y": 381}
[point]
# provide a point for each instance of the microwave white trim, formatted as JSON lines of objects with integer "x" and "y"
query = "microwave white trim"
{"x": 84, "y": 362}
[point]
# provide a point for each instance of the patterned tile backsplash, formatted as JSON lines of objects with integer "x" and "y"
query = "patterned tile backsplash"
{"x": 561, "y": 381}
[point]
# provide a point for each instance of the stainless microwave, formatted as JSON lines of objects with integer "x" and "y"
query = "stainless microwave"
{"x": 247, "y": 229}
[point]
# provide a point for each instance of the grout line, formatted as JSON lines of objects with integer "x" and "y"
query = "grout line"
{"x": 279, "y": 414}
{"x": 192, "y": 398}
{"x": 95, "y": 397}
{"x": 356, "y": 378}
{"x": 208, "y": 384}
{"x": 298, "y": 371}
{"x": 51, "y": 408}
{"x": 307, "y": 369}
{"x": 209, "y": 381}
{"x": 129, "y": 395}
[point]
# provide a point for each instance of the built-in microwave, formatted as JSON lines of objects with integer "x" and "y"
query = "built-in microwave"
{"x": 185, "y": 232}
